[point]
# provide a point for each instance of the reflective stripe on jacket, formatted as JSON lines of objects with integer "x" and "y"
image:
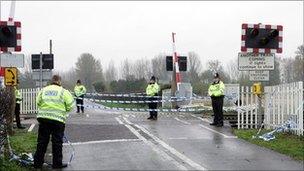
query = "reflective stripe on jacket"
{"x": 216, "y": 89}
{"x": 80, "y": 90}
{"x": 54, "y": 102}
{"x": 152, "y": 89}
{"x": 18, "y": 95}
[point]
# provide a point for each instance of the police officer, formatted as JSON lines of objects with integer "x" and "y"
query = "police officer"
{"x": 80, "y": 91}
{"x": 17, "y": 106}
{"x": 53, "y": 103}
{"x": 152, "y": 90}
{"x": 216, "y": 92}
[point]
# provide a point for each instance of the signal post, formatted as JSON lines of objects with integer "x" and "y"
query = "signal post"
{"x": 259, "y": 42}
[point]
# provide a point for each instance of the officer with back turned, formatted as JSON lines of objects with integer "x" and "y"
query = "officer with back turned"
{"x": 53, "y": 103}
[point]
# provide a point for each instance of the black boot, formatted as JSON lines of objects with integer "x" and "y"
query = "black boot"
{"x": 63, "y": 165}
{"x": 220, "y": 124}
{"x": 20, "y": 127}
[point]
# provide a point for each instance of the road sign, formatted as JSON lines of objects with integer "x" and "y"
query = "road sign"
{"x": 10, "y": 36}
{"x": 47, "y": 61}
{"x": 255, "y": 61}
{"x": 46, "y": 75}
{"x": 12, "y": 60}
{"x": 259, "y": 75}
{"x": 10, "y": 76}
{"x": 260, "y": 38}
{"x": 182, "y": 63}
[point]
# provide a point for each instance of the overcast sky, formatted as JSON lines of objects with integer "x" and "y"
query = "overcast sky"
{"x": 132, "y": 29}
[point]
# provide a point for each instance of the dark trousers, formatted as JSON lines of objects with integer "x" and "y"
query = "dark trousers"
{"x": 17, "y": 114}
{"x": 217, "y": 105}
{"x": 46, "y": 129}
{"x": 79, "y": 104}
{"x": 152, "y": 106}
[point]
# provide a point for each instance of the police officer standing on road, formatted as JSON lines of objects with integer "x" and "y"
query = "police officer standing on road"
{"x": 152, "y": 90}
{"x": 17, "y": 106}
{"x": 216, "y": 92}
{"x": 80, "y": 91}
{"x": 53, "y": 103}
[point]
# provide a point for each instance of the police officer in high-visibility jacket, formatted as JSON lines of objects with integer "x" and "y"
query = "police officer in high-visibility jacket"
{"x": 216, "y": 92}
{"x": 17, "y": 106}
{"x": 152, "y": 90}
{"x": 53, "y": 103}
{"x": 79, "y": 91}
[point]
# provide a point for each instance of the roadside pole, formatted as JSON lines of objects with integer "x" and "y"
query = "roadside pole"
{"x": 9, "y": 117}
{"x": 174, "y": 82}
{"x": 40, "y": 70}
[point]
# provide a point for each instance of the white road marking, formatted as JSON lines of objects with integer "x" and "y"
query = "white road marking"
{"x": 203, "y": 119}
{"x": 186, "y": 138}
{"x": 212, "y": 130}
{"x": 184, "y": 122}
{"x": 133, "y": 116}
{"x": 103, "y": 141}
{"x": 31, "y": 127}
{"x": 178, "y": 138}
{"x": 153, "y": 146}
{"x": 118, "y": 120}
{"x": 173, "y": 151}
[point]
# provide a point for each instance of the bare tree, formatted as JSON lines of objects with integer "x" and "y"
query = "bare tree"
{"x": 69, "y": 78}
{"x": 298, "y": 64}
{"x": 216, "y": 66}
{"x": 126, "y": 69}
{"x": 195, "y": 67}
{"x": 158, "y": 64}
{"x": 293, "y": 68}
{"x": 89, "y": 70}
{"x": 141, "y": 68}
{"x": 111, "y": 72}
{"x": 232, "y": 70}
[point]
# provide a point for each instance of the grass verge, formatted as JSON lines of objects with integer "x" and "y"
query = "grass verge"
{"x": 285, "y": 143}
{"x": 21, "y": 142}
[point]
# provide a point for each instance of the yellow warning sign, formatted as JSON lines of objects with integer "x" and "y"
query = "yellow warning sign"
{"x": 10, "y": 76}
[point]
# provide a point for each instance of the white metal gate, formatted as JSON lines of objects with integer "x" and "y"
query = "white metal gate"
{"x": 247, "y": 109}
{"x": 283, "y": 102}
{"x": 28, "y": 104}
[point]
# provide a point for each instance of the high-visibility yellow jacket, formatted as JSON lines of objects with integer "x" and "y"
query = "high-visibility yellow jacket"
{"x": 54, "y": 102}
{"x": 152, "y": 89}
{"x": 80, "y": 90}
{"x": 18, "y": 95}
{"x": 216, "y": 89}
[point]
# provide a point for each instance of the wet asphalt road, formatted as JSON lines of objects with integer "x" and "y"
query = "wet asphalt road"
{"x": 117, "y": 140}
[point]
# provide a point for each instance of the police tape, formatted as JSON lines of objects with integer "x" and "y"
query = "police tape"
{"x": 290, "y": 124}
{"x": 145, "y": 110}
{"x": 133, "y": 101}
{"x": 121, "y": 95}
{"x": 144, "y": 96}
{"x": 194, "y": 97}
{"x": 188, "y": 109}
